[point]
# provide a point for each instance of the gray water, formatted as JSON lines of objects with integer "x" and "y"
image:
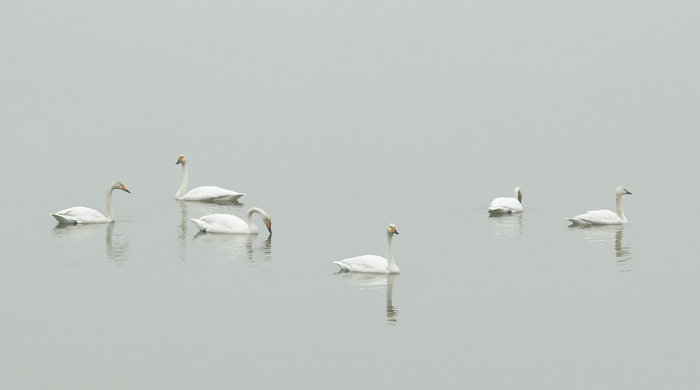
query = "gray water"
{"x": 338, "y": 119}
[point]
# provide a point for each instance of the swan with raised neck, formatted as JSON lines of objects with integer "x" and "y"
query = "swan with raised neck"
{"x": 80, "y": 214}
{"x": 373, "y": 263}
{"x": 205, "y": 193}
{"x": 604, "y": 217}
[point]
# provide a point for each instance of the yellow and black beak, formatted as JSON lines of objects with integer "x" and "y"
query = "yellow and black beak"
{"x": 179, "y": 160}
{"x": 269, "y": 226}
{"x": 124, "y": 189}
{"x": 393, "y": 230}
{"x": 627, "y": 192}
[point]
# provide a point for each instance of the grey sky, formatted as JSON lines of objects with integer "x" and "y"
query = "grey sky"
{"x": 302, "y": 89}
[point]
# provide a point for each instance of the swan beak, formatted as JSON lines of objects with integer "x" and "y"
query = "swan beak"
{"x": 124, "y": 189}
{"x": 179, "y": 160}
{"x": 393, "y": 230}
{"x": 627, "y": 192}
{"x": 269, "y": 226}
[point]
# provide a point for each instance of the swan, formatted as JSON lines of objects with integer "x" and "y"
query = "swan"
{"x": 604, "y": 217}
{"x": 79, "y": 214}
{"x": 372, "y": 263}
{"x": 507, "y": 205}
{"x": 206, "y": 193}
{"x": 230, "y": 224}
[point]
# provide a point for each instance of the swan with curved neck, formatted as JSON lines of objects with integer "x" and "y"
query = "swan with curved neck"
{"x": 508, "y": 205}
{"x": 373, "y": 263}
{"x": 79, "y": 214}
{"x": 230, "y": 224}
{"x": 604, "y": 217}
{"x": 202, "y": 194}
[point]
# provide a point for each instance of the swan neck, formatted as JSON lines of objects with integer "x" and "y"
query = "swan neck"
{"x": 618, "y": 207}
{"x": 391, "y": 265}
{"x": 183, "y": 185}
{"x": 249, "y": 217}
{"x": 110, "y": 210}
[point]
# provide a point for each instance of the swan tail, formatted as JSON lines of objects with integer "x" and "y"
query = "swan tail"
{"x": 65, "y": 219}
{"x": 202, "y": 225}
{"x": 226, "y": 198}
{"x": 343, "y": 266}
{"x": 575, "y": 221}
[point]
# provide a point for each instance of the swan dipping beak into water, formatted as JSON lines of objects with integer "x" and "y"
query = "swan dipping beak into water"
{"x": 604, "y": 217}
{"x": 79, "y": 214}
{"x": 231, "y": 224}
{"x": 203, "y": 194}
{"x": 372, "y": 263}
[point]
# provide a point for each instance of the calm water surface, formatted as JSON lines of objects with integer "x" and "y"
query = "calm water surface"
{"x": 150, "y": 302}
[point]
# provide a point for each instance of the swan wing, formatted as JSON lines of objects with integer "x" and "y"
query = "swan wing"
{"x": 505, "y": 205}
{"x": 212, "y": 193}
{"x": 366, "y": 263}
{"x": 222, "y": 223}
{"x": 597, "y": 217}
{"x": 79, "y": 214}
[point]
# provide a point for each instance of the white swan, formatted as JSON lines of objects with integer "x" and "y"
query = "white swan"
{"x": 604, "y": 217}
{"x": 508, "y": 205}
{"x": 230, "y": 224}
{"x": 79, "y": 214}
{"x": 372, "y": 263}
{"x": 206, "y": 193}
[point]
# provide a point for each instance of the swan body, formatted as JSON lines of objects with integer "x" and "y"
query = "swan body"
{"x": 372, "y": 263}
{"x": 79, "y": 214}
{"x": 231, "y": 224}
{"x": 604, "y": 217}
{"x": 205, "y": 193}
{"x": 507, "y": 205}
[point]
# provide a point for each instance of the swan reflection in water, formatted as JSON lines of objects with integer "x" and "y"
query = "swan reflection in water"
{"x": 507, "y": 225}
{"x": 602, "y": 234}
{"x": 237, "y": 245}
{"x": 368, "y": 281}
{"x": 182, "y": 230}
{"x": 82, "y": 238}
{"x": 117, "y": 245}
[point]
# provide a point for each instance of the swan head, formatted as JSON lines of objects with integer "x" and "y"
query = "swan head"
{"x": 181, "y": 159}
{"x": 518, "y": 195}
{"x": 267, "y": 221}
{"x": 117, "y": 185}
{"x": 622, "y": 191}
{"x": 392, "y": 229}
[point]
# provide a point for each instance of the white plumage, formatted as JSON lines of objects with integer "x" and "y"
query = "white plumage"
{"x": 205, "y": 193}
{"x": 507, "y": 205}
{"x": 80, "y": 214}
{"x": 231, "y": 224}
{"x": 604, "y": 217}
{"x": 373, "y": 263}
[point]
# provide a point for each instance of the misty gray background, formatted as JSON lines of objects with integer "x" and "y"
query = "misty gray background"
{"x": 338, "y": 118}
